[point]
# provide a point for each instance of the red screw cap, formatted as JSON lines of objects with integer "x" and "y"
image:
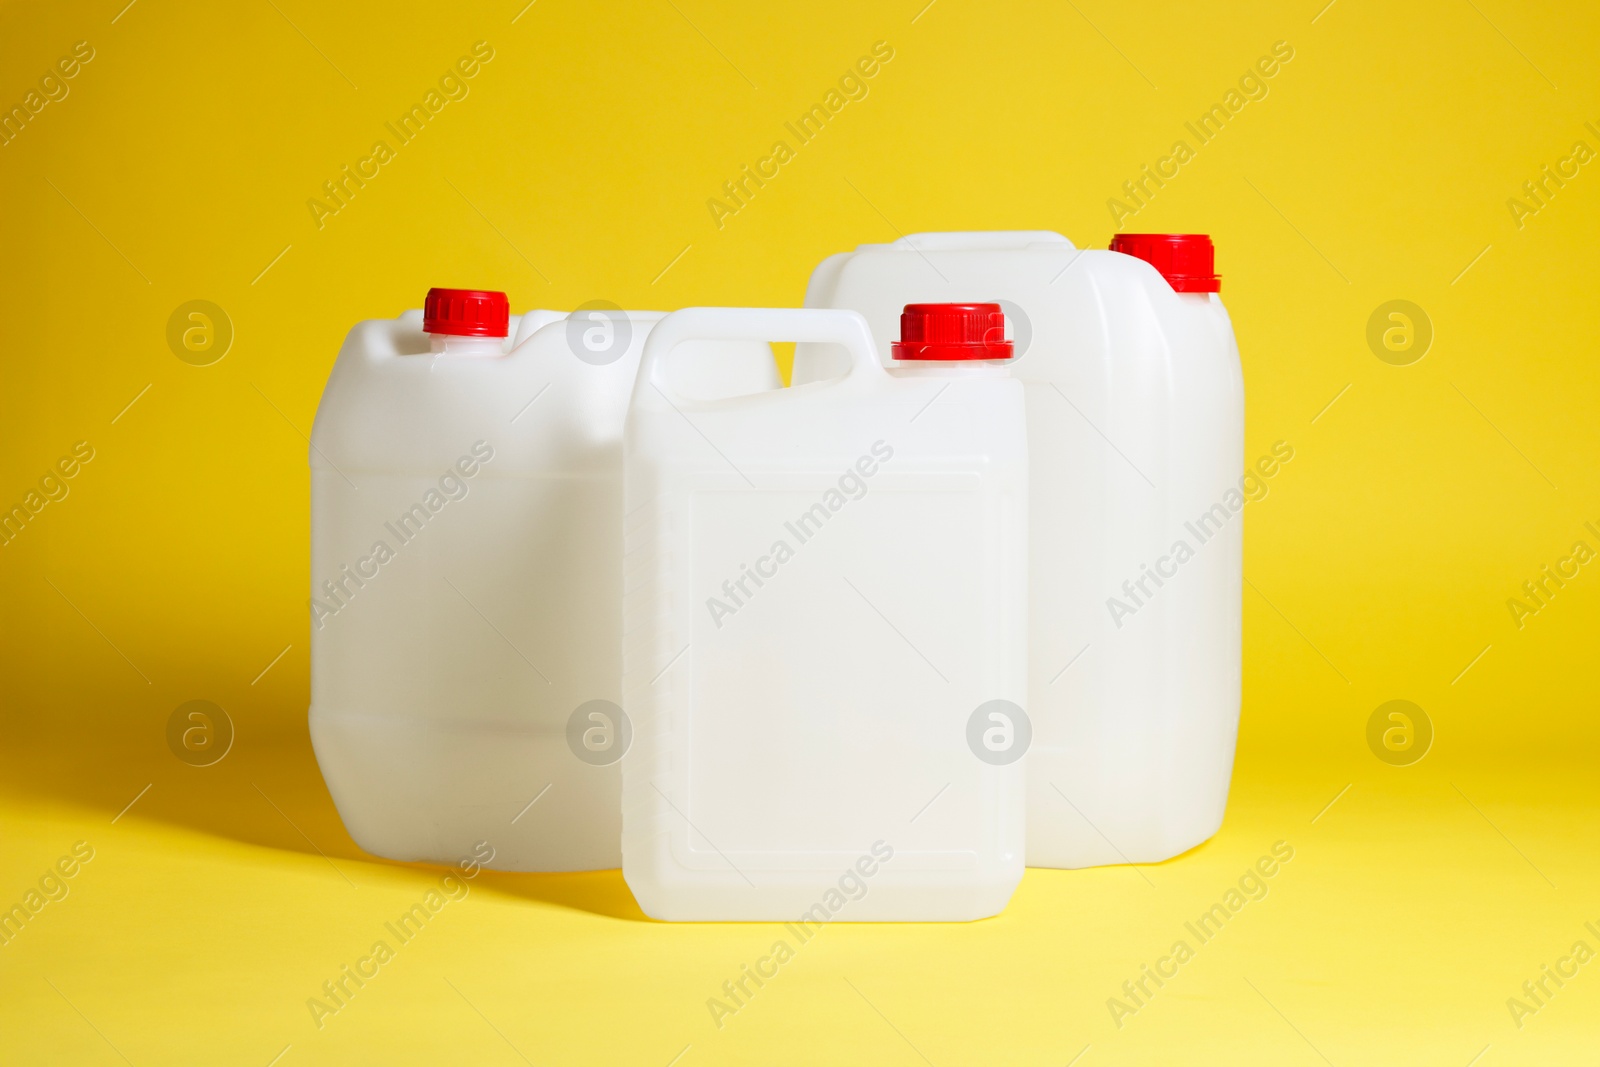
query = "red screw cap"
{"x": 952, "y": 331}
{"x": 466, "y": 312}
{"x": 1186, "y": 260}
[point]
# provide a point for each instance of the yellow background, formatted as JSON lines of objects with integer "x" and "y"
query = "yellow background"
{"x": 1378, "y": 168}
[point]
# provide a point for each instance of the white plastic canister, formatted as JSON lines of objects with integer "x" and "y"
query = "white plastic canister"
{"x": 824, "y": 592}
{"x": 466, "y": 517}
{"x": 1136, "y": 425}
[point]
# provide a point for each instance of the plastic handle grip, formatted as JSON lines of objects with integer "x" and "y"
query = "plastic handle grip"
{"x": 981, "y": 240}
{"x": 845, "y": 328}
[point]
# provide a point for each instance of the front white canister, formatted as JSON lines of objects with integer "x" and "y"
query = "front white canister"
{"x": 825, "y": 622}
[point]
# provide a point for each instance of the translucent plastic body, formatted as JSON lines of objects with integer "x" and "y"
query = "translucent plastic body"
{"x": 1136, "y": 433}
{"x": 466, "y": 518}
{"x": 823, "y": 585}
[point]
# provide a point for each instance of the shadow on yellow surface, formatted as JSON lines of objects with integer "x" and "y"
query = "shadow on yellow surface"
{"x": 267, "y": 793}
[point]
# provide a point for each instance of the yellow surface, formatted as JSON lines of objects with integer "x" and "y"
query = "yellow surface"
{"x": 1378, "y": 167}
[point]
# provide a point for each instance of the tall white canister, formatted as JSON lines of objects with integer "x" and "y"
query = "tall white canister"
{"x": 1136, "y": 432}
